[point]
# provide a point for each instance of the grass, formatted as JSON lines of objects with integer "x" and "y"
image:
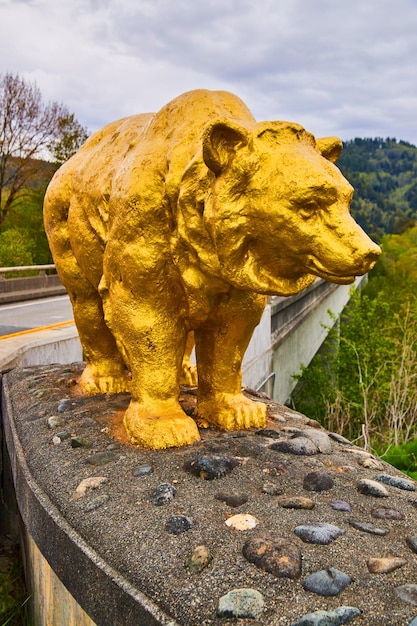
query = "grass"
{"x": 14, "y": 600}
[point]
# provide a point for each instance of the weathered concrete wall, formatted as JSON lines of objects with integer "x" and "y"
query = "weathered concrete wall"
{"x": 51, "y": 602}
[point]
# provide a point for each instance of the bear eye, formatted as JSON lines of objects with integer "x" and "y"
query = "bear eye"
{"x": 308, "y": 209}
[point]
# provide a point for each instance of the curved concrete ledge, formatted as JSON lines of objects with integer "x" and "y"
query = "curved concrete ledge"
{"x": 118, "y": 563}
{"x": 65, "y": 572}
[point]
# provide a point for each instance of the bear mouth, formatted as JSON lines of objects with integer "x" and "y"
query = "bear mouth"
{"x": 340, "y": 278}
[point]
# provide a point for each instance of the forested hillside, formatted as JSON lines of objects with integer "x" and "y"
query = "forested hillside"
{"x": 383, "y": 173}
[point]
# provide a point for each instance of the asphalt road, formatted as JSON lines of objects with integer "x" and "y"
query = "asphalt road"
{"x": 34, "y": 313}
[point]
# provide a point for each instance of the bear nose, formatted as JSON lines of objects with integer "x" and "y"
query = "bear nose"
{"x": 372, "y": 256}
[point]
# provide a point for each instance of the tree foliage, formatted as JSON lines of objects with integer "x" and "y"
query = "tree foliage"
{"x": 29, "y": 130}
{"x": 383, "y": 173}
{"x": 16, "y": 247}
{"x": 70, "y": 136}
{"x": 28, "y": 216}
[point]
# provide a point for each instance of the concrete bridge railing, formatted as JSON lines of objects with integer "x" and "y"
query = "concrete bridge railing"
{"x": 39, "y": 285}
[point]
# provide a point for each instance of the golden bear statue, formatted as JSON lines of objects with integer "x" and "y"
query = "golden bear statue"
{"x": 173, "y": 228}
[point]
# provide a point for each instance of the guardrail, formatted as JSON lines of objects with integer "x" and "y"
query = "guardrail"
{"x": 18, "y": 288}
{"x": 26, "y": 268}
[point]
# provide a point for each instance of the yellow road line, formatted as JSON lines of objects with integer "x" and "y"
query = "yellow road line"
{"x": 38, "y": 329}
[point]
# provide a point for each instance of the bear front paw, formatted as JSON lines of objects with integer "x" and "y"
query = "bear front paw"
{"x": 156, "y": 430}
{"x": 233, "y": 412}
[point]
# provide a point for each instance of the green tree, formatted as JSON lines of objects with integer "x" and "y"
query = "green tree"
{"x": 28, "y": 216}
{"x": 70, "y": 136}
{"x": 16, "y": 248}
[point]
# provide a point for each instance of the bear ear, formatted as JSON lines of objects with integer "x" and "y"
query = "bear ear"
{"x": 222, "y": 138}
{"x": 330, "y": 148}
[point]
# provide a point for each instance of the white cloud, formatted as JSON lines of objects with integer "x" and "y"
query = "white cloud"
{"x": 338, "y": 68}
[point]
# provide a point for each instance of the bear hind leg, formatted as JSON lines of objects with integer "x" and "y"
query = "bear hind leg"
{"x": 105, "y": 370}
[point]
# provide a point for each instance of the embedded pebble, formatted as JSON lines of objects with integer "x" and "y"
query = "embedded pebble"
{"x": 271, "y": 489}
{"x": 296, "y": 415}
{"x": 178, "y": 524}
{"x": 384, "y": 565}
{"x": 64, "y": 404}
{"x": 318, "y": 532}
{"x": 327, "y": 582}
{"x": 55, "y": 441}
{"x": 340, "y": 439}
{"x": 337, "y": 617}
{"x": 210, "y": 467}
{"x": 93, "y": 482}
{"x": 55, "y": 421}
{"x": 102, "y": 458}
{"x": 233, "y": 435}
{"x": 268, "y": 432}
{"x": 292, "y": 430}
{"x": 199, "y": 559}
{"x": 242, "y": 521}
{"x": 412, "y": 543}
{"x": 407, "y": 593}
{"x": 372, "y": 488}
{"x": 367, "y": 527}
{"x": 79, "y": 442}
{"x": 340, "y": 505}
{"x": 163, "y": 494}
{"x": 277, "y": 418}
{"x": 302, "y": 446}
{"x": 241, "y": 603}
{"x": 319, "y": 438}
{"x": 63, "y": 434}
{"x": 96, "y": 503}
{"x": 396, "y": 481}
{"x": 279, "y": 557}
{"x": 295, "y": 502}
{"x": 314, "y": 424}
{"x": 385, "y": 512}
{"x": 232, "y": 499}
{"x": 371, "y": 463}
{"x": 318, "y": 481}
{"x": 142, "y": 470}
{"x": 360, "y": 451}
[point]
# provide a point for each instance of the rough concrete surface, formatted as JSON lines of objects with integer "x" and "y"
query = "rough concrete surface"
{"x": 119, "y": 522}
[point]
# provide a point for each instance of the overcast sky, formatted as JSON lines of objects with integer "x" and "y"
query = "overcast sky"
{"x": 338, "y": 67}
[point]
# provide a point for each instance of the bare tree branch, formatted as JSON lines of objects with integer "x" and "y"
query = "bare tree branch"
{"x": 30, "y": 129}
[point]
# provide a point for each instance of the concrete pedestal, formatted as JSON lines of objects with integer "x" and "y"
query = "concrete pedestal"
{"x": 116, "y": 554}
